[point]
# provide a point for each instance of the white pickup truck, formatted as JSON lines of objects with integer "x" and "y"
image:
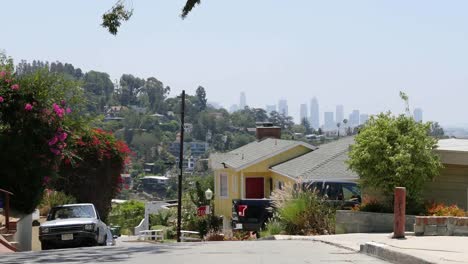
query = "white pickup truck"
{"x": 73, "y": 225}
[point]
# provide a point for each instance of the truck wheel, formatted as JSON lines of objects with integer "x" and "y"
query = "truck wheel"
{"x": 45, "y": 246}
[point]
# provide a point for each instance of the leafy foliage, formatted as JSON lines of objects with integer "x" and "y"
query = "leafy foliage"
{"x": 113, "y": 18}
{"x": 97, "y": 158}
{"x": 395, "y": 151}
{"x": 35, "y": 120}
{"x": 445, "y": 210}
{"x": 127, "y": 215}
{"x": 54, "y": 198}
{"x": 302, "y": 212}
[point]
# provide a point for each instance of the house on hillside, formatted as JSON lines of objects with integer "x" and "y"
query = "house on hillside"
{"x": 258, "y": 168}
{"x": 451, "y": 186}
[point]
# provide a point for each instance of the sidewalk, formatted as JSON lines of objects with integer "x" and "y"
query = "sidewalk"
{"x": 412, "y": 249}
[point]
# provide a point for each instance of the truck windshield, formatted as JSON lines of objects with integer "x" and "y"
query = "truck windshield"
{"x": 66, "y": 212}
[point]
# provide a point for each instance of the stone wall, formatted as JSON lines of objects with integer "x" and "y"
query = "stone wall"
{"x": 366, "y": 222}
{"x": 441, "y": 226}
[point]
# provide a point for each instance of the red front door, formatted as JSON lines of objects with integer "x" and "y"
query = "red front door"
{"x": 254, "y": 188}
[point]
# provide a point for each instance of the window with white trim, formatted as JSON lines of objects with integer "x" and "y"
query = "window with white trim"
{"x": 223, "y": 185}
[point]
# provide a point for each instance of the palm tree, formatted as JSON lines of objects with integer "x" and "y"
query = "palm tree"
{"x": 338, "y": 126}
{"x": 345, "y": 121}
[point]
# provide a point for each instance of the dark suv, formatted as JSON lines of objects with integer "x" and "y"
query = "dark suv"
{"x": 342, "y": 194}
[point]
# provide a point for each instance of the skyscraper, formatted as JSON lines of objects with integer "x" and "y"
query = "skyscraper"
{"x": 354, "y": 118}
{"x": 314, "y": 113}
{"x": 283, "y": 107}
{"x": 270, "y": 108}
{"x": 363, "y": 118}
{"x": 329, "y": 121}
{"x": 339, "y": 113}
{"x": 243, "y": 101}
{"x": 303, "y": 112}
{"x": 418, "y": 115}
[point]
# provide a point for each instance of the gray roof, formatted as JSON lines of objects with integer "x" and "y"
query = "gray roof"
{"x": 254, "y": 152}
{"x": 327, "y": 162}
{"x": 453, "y": 144}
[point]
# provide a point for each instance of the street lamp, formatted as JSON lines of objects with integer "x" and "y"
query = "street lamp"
{"x": 208, "y": 194}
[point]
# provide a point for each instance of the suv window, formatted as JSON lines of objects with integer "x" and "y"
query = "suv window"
{"x": 66, "y": 212}
{"x": 351, "y": 191}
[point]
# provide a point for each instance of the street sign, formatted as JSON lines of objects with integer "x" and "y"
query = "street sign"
{"x": 203, "y": 210}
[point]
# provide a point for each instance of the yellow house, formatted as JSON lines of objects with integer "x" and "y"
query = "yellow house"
{"x": 253, "y": 171}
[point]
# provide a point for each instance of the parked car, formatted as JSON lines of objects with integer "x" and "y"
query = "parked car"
{"x": 340, "y": 194}
{"x": 252, "y": 214}
{"x": 73, "y": 225}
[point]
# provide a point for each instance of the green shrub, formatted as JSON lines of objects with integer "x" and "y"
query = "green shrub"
{"x": 303, "y": 212}
{"x": 274, "y": 227}
{"x": 127, "y": 215}
{"x": 163, "y": 218}
{"x": 54, "y": 198}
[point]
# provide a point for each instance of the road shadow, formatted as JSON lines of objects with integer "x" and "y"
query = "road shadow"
{"x": 89, "y": 254}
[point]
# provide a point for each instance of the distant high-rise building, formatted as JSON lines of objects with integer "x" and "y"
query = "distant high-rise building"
{"x": 233, "y": 108}
{"x": 270, "y": 108}
{"x": 283, "y": 107}
{"x": 314, "y": 113}
{"x": 339, "y": 113}
{"x": 329, "y": 121}
{"x": 243, "y": 101}
{"x": 303, "y": 112}
{"x": 354, "y": 118}
{"x": 363, "y": 118}
{"x": 418, "y": 115}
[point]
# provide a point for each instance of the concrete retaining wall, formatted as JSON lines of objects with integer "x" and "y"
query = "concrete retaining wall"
{"x": 441, "y": 226}
{"x": 365, "y": 222}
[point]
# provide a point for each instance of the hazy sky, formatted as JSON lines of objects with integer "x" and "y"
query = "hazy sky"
{"x": 355, "y": 53}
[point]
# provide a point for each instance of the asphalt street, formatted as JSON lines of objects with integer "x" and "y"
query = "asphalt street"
{"x": 271, "y": 252}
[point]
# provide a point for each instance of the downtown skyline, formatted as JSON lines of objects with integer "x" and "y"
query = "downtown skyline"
{"x": 318, "y": 116}
{"x": 356, "y": 54}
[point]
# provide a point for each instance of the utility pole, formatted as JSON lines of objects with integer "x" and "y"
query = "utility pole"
{"x": 181, "y": 166}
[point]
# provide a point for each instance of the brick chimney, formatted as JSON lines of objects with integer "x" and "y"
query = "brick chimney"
{"x": 267, "y": 130}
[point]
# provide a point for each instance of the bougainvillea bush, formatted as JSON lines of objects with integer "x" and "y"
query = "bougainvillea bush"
{"x": 91, "y": 173}
{"x": 33, "y": 132}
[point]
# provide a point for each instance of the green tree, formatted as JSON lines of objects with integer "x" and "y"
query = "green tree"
{"x": 156, "y": 93}
{"x": 437, "y": 131}
{"x": 306, "y": 124}
{"x": 201, "y": 98}
{"x": 130, "y": 88}
{"x": 395, "y": 151}
{"x": 119, "y": 13}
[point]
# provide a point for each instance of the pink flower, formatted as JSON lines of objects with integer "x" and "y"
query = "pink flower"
{"x": 62, "y": 136}
{"x": 15, "y": 87}
{"x": 2, "y": 74}
{"x": 58, "y": 110}
{"x": 53, "y": 141}
{"x": 1, "y": 99}
{"x": 63, "y": 102}
{"x": 55, "y": 151}
{"x": 28, "y": 107}
{"x": 46, "y": 180}
{"x": 68, "y": 110}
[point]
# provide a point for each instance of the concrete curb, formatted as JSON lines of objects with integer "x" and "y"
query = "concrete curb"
{"x": 385, "y": 252}
{"x": 307, "y": 238}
